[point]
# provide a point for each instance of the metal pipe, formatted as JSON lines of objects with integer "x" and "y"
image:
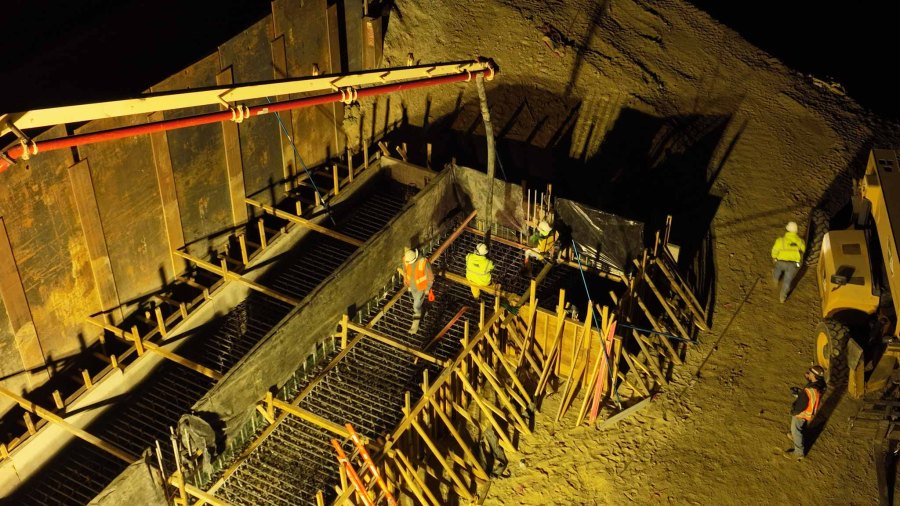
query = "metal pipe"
{"x": 36, "y": 147}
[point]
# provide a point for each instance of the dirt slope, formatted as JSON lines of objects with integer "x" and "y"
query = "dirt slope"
{"x": 782, "y": 143}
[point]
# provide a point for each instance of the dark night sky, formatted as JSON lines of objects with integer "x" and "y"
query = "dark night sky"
{"x": 63, "y": 52}
{"x": 90, "y": 50}
{"x": 854, "y": 44}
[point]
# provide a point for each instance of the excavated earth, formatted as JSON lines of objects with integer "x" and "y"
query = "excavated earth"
{"x": 664, "y": 80}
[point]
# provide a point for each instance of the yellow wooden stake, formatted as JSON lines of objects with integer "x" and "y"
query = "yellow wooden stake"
{"x": 415, "y": 476}
{"x": 350, "y": 164}
{"x": 138, "y": 343}
{"x": 366, "y": 155}
{"x": 160, "y": 322}
{"x": 242, "y": 241}
{"x": 57, "y": 399}
{"x": 262, "y": 232}
{"x": 337, "y": 180}
{"x": 86, "y": 376}
{"x": 471, "y": 459}
{"x": 446, "y": 465}
{"x": 270, "y": 407}
{"x": 29, "y": 423}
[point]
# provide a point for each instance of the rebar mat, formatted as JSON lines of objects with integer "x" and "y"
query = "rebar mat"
{"x": 81, "y": 471}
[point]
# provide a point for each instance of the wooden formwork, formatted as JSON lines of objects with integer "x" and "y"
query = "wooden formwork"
{"x": 483, "y": 400}
{"x": 476, "y": 397}
{"x": 505, "y": 369}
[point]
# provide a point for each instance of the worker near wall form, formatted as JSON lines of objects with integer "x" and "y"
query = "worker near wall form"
{"x": 478, "y": 269}
{"x": 542, "y": 246}
{"x": 787, "y": 253}
{"x": 418, "y": 277}
{"x": 806, "y": 404}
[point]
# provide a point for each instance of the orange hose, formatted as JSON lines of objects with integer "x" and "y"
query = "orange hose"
{"x": 357, "y": 483}
{"x": 368, "y": 460}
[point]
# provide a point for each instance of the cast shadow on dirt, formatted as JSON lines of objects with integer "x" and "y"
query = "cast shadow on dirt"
{"x": 829, "y": 405}
{"x": 612, "y": 157}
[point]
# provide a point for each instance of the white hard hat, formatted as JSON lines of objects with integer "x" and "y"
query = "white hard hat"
{"x": 791, "y": 227}
{"x": 410, "y": 255}
{"x": 481, "y": 249}
{"x": 544, "y": 227}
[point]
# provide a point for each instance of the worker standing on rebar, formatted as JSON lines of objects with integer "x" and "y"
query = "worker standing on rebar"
{"x": 543, "y": 246}
{"x": 418, "y": 277}
{"x": 806, "y": 405}
{"x": 478, "y": 269}
{"x": 787, "y": 253}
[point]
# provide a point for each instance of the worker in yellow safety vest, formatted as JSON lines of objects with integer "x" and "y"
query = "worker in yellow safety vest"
{"x": 478, "y": 269}
{"x": 418, "y": 278}
{"x": 542, "y": 246}
{"x": 806, "y": 405}
{"x": 787, "y": 253}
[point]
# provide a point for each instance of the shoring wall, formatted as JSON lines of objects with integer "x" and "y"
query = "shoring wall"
{"x": 90, "y": 230}
{"x": 352, "y": 285}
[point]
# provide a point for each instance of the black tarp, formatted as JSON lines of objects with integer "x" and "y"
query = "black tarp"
{"x": 604, "y": 240}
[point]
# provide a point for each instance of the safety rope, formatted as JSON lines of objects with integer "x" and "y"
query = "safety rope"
{"x": 609, "y": 369}
{"x": 305, "y": 168}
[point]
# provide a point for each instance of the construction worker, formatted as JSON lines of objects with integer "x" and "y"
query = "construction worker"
{"x": 787, "y": 253}
{"x": 418, "y": 277}
{"x": 478, "y": 269}
{"x": 543, "y": 245}
{"x": 806, "y": 404}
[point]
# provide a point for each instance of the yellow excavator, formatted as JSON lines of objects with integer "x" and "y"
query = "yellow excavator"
{"x": 858, "y": 340}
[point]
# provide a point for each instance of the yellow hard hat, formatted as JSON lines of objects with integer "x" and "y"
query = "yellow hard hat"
{"x": 410, "y": 255}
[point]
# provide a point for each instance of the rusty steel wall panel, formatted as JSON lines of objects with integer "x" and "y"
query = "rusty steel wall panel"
{"x": 127, "y": 193}
{"x": 50, "y": 251}
{"x": 198, "y": 161}
{"x": 353, "y": 28}
{"x": 305, "y": 30}
{"x": 250, "y": 57}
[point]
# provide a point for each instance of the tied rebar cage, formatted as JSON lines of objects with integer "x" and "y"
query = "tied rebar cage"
{"x": 81, "y": 471}
{"x": 367, "y": 387}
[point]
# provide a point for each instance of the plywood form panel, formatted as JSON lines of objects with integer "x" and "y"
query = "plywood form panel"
{"x": 288, "y": 160}
{"x": 127, "y": 193}
{"x": 234, "y": 166}
{"x": 250, "y": 57}
{"x": 305, "y": 30}
{"x": 50, "y": 252}
{"x": 373, "y": 42}
{"x": 92, "y": 227}
{"x": 198, "y": 162}
{"x": 353, "y": 26}
{"x": 14, "y": 300}
{"x": 165, "y": 179}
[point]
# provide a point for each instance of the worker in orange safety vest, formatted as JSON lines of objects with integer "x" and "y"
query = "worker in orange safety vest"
{"x": 418, "y": 278}
{"x": 806, "y": 405}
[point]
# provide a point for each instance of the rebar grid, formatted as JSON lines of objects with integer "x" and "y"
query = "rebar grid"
{"x": 81, "y": 471}
{"x": 367, "y": 387}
